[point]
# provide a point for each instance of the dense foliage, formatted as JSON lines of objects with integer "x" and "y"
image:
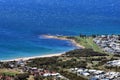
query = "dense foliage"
{"x": 54, "y": 63}
{"x": 71, "y": 76}
{"x": 84, "y": 53}
{"x": 22, "y": 76}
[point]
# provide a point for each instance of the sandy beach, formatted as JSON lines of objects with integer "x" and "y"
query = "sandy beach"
{"x": 47, "y": 55}
{"x": 27, "y": 58}
{"x": 63, "y": 38}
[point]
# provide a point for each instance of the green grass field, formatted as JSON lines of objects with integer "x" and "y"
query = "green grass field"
{"x": 10, "y": 72}
{"x": 87, "y": 42}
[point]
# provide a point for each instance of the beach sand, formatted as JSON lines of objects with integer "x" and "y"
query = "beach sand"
{"x": 27, "y": 58}
{"x": 48, "y": 55}
{"x": 63, "y": 38}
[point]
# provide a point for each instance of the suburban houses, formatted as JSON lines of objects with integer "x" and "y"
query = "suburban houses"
{"x": 34, "y": 71}
{"x": 109, "y": 43}
{"x": 93, "y": 74}
{"x": 113, "y": 63}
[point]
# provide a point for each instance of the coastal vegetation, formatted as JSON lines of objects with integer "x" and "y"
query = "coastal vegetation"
{"x": 9, "y": 72}
{"x": 84, "y": 53}
{"x": 90, "y": 57}
{"x": 83, "y": 41}
{"x": 72, "y": 76}
{"x": 87, "y": 42}
{"x": 81, "y": 58}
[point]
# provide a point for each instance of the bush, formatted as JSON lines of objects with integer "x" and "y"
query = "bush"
{"x": 83, "y": 53}
{"x": 22, "y": 76}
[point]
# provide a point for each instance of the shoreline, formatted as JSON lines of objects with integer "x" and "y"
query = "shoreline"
{"x": 28, "y": 58}
{"x": 47, "y": 55}
{"x": 63, "y": 38}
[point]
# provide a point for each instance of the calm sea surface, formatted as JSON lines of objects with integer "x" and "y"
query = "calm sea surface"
{"x": 22, "y": 21}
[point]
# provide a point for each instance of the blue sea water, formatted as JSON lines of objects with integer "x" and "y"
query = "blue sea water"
{"x": 22, "y": 21}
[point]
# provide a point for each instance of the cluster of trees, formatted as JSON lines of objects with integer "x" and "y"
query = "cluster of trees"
{"x": 71, "y": 76}
{"x": 92, "y": 35}
{"x": 117, "y": 55}
{"x": 98, "y": 59}
{"x": 4, "y": 76}
{"x": 46, "y": 63}
{"x": 23, "y": 76}
{"x": 73, "y": 63}
{"x": 115, "y": 68}
{"x": 45, "y": 78}
{"x": 4, "y": 65}
{"x": 7, "y": 64}
{"x": 54, "y": 63}
{"x": 83, "y": 53}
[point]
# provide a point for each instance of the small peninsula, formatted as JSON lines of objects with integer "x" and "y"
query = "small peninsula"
{"x": 63, "y": 38}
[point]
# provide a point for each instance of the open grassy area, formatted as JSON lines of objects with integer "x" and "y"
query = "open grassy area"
{"x": 11, "y": 72}
{"x": 87, "y": 42}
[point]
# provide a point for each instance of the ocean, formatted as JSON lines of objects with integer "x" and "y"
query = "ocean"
{"x": 23, "y": 21}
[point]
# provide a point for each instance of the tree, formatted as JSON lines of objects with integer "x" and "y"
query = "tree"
{"x": 22, "y": 76}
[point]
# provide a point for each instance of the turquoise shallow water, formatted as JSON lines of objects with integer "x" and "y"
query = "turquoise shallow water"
{"x": 22, "y": 21}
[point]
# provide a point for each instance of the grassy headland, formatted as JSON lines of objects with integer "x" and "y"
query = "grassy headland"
{"x": 79, "y": 41}
{"x": 87, "y": 42}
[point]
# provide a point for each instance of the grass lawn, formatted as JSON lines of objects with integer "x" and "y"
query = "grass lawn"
{"x": 11, "y": 72}
{"x": 88, "y": 43}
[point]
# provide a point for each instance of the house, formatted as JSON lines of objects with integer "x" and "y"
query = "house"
{"x": 92, "y": 70}
{"x": 46, "y": 74}
{"x": 109, "y": 43}
{"x": 55, "y": 74}
{"x": 98, "y": 72}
